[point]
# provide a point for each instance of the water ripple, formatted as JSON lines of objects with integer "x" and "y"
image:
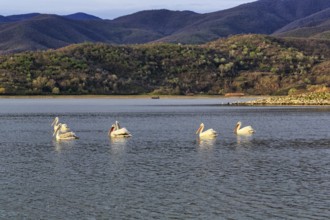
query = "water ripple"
{"x": 164, "y": 171}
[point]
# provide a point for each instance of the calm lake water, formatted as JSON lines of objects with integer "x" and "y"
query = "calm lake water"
{"x": 164, "y": 171}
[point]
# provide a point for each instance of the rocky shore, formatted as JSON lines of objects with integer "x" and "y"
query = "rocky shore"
{"x": 312, "y": 98}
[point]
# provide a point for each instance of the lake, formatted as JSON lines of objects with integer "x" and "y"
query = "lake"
{"x": 163, "y": 171}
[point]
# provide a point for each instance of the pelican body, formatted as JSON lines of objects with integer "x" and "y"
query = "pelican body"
{"x": 117, "y": 131}
{"x": 243, "y": 131}
{"x": 59, "y": 136}
{"x": 64, "y": 127}
{"x": 210, "y": 133}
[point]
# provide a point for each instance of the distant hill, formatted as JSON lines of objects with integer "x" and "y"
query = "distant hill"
{"x": 164, "y": 22}
{"x": 250, "y": 64}
{"x": 44, "y": 32}
{"x": 289, "y": 18}
{"x": 314, "y": 26}
{"x": 263, "y": 17}
{"x": 22, "y": 17}
{"x": 80, "y": 16}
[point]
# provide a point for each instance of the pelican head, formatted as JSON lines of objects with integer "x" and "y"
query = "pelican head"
{"x": 55, "y": 121}
{"x": 111, "y": 129}
{"x": 237, "y": 127}
{"x": 57, "y": 128}
{"x": 200, "y": 129}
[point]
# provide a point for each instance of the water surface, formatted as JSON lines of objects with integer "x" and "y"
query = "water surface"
{"x": 164, "y": 171}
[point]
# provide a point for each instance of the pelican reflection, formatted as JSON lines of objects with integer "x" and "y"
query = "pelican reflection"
{"x": 244, "y": 139}
{"x": 62, "y": 145}
{"x": 206, "y": 142}
{"x": 118, "y": 140}
{"x": 118, "y": 144}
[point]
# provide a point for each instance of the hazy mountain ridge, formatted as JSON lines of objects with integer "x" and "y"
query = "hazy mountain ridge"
{"x": 316, "y": 25}
{"x": 309, "y": 21}
{"x": 283, "y": 17}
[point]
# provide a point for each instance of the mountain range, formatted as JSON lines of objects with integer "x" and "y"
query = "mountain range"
{"x": 282, "y": 18}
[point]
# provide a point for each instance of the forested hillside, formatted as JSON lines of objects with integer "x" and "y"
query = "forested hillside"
{"x": 253, "y": 64}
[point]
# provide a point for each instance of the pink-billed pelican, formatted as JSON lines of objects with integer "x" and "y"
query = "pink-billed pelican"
{"x": 243, "y": 131}
{"x": 117, "y": 131}
{"x": 64, "y": 127}
{"x": 59, "y": 136}
{"x": 210, "y": 133}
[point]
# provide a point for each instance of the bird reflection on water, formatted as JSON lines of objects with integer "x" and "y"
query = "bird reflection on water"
{"x": 62, "y": 145}
{"x": 118, "y": 144}
{"x": 206, "y": 143}
{"x": 244, "y": 139}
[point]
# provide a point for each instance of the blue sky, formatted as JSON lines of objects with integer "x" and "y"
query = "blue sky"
{"x": 109, "y": 9}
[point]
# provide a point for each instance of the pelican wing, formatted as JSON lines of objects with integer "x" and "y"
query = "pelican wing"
{"x": 246, "y": 130}
{"x": 67, "y": 136}
{"x": 209, "y": 133}
{"x": 123, "y": 132}
{"x": 65, "y": 128}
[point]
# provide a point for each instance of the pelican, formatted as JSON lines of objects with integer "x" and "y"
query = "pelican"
{"x": 59, "y": 136}
{"x": 243, "y": 131}
{"x": 117, "y": 131}
{"x": 210, "y": 133}
{"x": 64, "y": 127}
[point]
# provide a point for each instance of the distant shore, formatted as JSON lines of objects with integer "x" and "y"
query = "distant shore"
{"x": 312, "y": 98}
{"x": 319, "y": 98}
{"x": 117, "y": 97}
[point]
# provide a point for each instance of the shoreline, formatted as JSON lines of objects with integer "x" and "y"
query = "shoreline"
{"x": 124, "y": 97}
{"x": 306, "y": 99}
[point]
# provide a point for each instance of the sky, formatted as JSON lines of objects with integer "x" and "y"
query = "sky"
{"x": 110, "y": 9}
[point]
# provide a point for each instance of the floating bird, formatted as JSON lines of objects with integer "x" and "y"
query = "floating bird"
{"x": 59, "y": 136}
{"x": 64, "y": 127}
{"x": 210, "y": 133}
{"x": 243, "y": 131}
{"x": 117, "y": 131}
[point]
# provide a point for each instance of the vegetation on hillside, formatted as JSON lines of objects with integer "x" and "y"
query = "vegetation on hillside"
{"x": 253, "y": 64}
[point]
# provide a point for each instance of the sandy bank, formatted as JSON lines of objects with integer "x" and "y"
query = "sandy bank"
{"x": 319, "y": 98}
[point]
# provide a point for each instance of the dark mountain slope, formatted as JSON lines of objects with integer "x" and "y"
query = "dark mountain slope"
{"x": 22, "y": 17}
{"x": 51, "y": 31}
{"x": 163, "y": 21}
{"x": 321, "y": 31}
{"x": 35, "y": 31}
{"x": 264, "y": 16}
{"x": 80, "y": 16}
{"x": 44, "y": 31}
{"x": 13, "y": 18}
{"x": 313, "y": 26}
{"x": 3, "y": 19}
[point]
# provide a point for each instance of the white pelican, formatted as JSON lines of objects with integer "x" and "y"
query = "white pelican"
{"x": 59, "y": 136}
{"x": 64, "y": 127}
{"x": 243, "y": 131}
{"x": 210, "y": 133}
{"x": 116, "y": 131}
